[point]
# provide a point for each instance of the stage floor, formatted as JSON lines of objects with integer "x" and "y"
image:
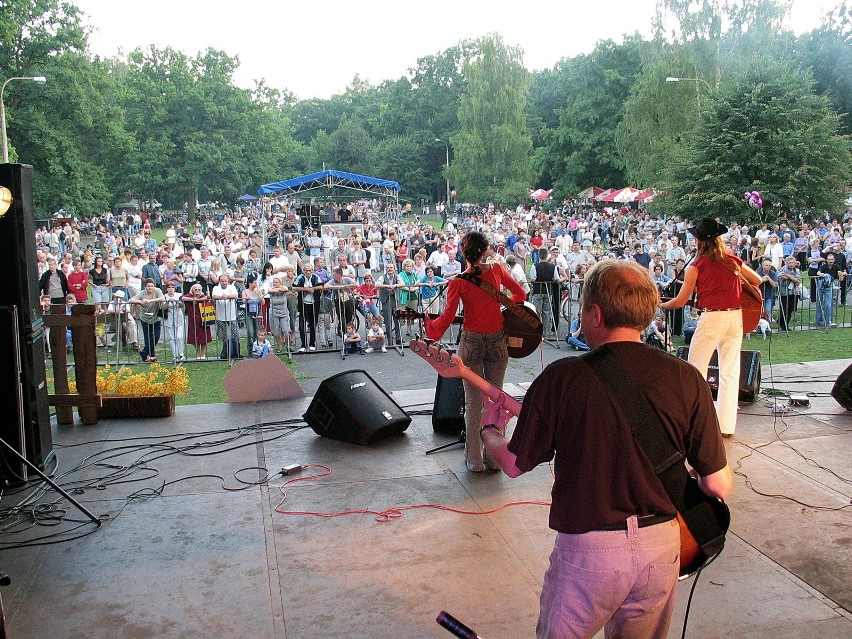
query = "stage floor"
{"x": 179, "y": 556}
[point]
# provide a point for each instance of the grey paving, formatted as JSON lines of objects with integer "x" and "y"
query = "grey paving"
{"x": 187, "y": 558}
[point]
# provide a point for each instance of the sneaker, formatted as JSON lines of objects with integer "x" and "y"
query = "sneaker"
{"x": 311, "y": 348}
{"x": 302, "y": 350}
{"x": 368, "y": 350}
{"x": 384, "y": 349}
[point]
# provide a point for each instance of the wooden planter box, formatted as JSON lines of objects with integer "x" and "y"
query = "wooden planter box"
{"x": 137, "y": 406}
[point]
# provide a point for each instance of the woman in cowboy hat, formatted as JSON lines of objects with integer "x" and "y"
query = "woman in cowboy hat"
{"x": 720, "y": 326}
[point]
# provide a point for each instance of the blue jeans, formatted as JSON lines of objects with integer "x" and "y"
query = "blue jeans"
{"x": 621, "y": 580}
{"x": 823, "y": 305}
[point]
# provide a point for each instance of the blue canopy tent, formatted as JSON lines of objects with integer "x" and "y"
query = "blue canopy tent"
{"x": 331, "y": 179}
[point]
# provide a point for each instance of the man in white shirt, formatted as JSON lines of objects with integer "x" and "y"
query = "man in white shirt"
{"x": 224, "y": 296}
{"x": 278, "y": 260}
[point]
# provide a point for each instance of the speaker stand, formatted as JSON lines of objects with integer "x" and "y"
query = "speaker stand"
{"x": 460, "y": 440}
{"x": 52, "y": 483}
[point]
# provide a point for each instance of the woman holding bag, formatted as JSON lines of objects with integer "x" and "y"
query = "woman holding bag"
{"x": 714, "y": 276}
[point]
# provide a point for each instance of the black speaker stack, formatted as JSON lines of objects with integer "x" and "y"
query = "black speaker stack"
{"x": 448, "y": 408}
{"x": 749, "y": 373}
{"x": 22, "y": 375}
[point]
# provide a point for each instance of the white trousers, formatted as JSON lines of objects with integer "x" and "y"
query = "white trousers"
{"x": 720, "y": 331}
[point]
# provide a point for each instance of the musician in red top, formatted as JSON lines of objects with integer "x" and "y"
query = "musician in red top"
{"x": 483, "y": 344}
{"x": 720, "y": 326}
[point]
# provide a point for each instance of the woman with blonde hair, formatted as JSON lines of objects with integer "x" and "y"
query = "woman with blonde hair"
{"x": 715, "y": 276}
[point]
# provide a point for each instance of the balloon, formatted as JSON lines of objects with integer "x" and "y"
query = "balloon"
{"x": 453, "y": 194}
{"x": 754, "y": 199}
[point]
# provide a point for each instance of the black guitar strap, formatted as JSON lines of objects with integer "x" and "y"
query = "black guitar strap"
{"x": 657, "y": 446}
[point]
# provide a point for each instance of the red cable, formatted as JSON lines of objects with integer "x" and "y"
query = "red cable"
{"x": 388, "y": 514}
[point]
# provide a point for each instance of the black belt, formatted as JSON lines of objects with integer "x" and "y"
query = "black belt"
{"x": 643, "y": 522}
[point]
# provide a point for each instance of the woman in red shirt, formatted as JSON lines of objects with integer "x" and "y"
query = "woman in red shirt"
{"x": 483, "y": 344}
{"x": 720, "y": 326}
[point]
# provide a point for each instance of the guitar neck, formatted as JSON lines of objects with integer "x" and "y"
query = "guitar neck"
{"x": 509, "y": 403}
{"x": 449, "y": 365}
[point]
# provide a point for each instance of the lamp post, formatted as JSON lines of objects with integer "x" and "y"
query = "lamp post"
{"x": 41, "y": 80}
{"x": 697, "y": 91}
{"x": 447, "y": 147}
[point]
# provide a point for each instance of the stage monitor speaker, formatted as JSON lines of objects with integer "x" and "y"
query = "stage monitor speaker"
{"x": 842, "y": 390}
{"x": 351, "y": 407}
{"x": 749, "y": 373}
{"x": 448, "y": 409}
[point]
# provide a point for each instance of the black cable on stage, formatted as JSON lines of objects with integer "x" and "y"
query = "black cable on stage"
{"x": 30, "y": 513}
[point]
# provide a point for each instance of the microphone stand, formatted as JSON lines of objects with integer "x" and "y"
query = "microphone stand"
{"x": 677, "y": 282}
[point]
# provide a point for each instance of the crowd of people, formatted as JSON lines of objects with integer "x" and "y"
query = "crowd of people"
{"x": 304, "y": 282}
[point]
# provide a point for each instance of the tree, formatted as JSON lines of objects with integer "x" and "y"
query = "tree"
{"x": 765, "y": 130}
{"x": 192, "y": 126}
{"x": 581, "y": 150}
{"x": 659, "y": 117}
{"x": 493, "y": 147}
{"x": 348, "y": 148}
{"x": 827, "y": 51}
{"x": 75, "y": 136}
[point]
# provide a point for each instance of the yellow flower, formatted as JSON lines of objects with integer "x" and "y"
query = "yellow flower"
{"x": 156, "y": 381}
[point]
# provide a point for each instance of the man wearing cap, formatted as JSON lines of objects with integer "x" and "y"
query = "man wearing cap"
{"x": 713, "y": 276}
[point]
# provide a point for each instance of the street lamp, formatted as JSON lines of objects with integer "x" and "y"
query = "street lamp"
{"x": 447, "y": 147}
{"x": 697, "y": 92}
{"x": 40, "y": 79}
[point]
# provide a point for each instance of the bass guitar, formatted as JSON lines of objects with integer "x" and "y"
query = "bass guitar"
{"x": 691, "y": 556}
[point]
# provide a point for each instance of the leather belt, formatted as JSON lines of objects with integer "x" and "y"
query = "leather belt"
{"x": 643, "y": 522}
{"x": 716, "y": 310}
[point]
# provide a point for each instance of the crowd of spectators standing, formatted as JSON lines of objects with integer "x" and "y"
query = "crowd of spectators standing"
{"x": 304, "y": 281}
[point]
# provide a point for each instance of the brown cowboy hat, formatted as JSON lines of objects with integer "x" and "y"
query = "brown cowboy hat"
{"x": 708, "y": 228}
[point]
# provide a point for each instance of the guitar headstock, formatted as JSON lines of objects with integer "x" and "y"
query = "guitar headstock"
{"x": 446, "y": 364}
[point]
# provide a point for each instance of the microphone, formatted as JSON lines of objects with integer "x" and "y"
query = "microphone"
{"x": 455, "y": 626}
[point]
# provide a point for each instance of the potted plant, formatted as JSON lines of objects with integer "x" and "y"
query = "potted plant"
{"x": 149, "y": 394}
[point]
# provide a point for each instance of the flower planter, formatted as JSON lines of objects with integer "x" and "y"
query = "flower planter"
{"x": 152, "y": 406}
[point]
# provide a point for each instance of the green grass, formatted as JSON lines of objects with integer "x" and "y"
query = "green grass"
{"x": 205, "y": 382}
{"x": 798, "y": 346}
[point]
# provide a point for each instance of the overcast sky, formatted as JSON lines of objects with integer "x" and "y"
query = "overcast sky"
{"x": 314, "y": 49}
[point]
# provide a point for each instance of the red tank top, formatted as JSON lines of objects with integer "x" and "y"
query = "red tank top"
{"x": 717, "y": 286}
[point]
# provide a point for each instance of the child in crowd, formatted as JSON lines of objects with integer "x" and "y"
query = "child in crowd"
{"x": 260, "y": 347}
{"x": 376, "y": 338}
{"x": 352, "y": 341}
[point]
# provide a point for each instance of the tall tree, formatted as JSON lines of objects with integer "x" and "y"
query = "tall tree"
{"x": 827, "y": 51}
{"x": 765, "y": 130}
{"x": 581, "y": 150}
{"x": 192, "y": 125}
{"x": 492, "y": 149}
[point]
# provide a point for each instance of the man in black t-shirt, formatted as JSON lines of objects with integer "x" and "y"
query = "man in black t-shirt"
{"x": 613, "y": 515}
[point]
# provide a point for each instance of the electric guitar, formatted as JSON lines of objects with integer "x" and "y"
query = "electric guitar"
{"x": 691, "y": 556}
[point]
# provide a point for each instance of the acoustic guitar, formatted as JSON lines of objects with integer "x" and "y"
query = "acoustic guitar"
{"x": 751, "y": 301}
{"x": 523, "y": 334}
{"x": 692, "y": 557}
